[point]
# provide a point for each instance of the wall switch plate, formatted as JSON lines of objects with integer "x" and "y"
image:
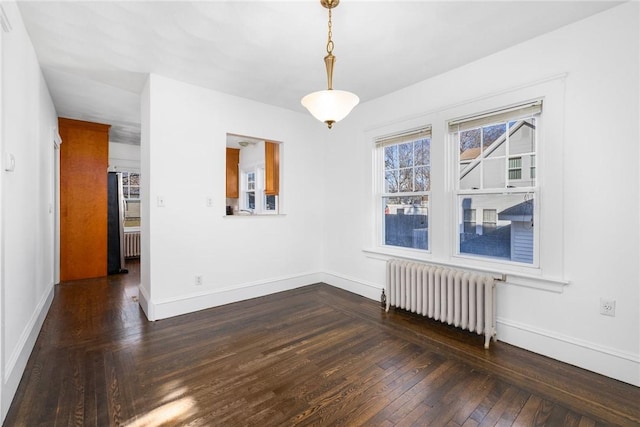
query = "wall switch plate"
{"x": 607, "y": 307}
{"x": 9, "y": 162}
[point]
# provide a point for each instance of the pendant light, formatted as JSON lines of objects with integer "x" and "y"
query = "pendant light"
{"x": 330, "y": 105}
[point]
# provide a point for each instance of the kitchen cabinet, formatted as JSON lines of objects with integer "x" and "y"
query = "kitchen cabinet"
{"x": 271, "y": 168}
{"x": 233, "y": 159}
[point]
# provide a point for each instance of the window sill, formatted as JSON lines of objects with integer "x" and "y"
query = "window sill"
{"x": 254, "y": 216}
{"x": 507, "y": 277}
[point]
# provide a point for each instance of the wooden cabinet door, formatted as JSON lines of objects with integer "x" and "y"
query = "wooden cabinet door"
{"x": 233, "y": 158}
{"x": 84, "y": 159}
{"x": 271, "y": 168}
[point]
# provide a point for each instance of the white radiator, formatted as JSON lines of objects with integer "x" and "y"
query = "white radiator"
{"x": 131, "y": 245}
{"x": 456, "y": 297}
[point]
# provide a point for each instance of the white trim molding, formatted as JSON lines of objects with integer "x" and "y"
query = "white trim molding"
{"x": 143, "y": 301}
{"x": 607, "y": 361}
{"x": 17, "y": 361}
{"x": 162, "y": 309}
{"x": 353, "y": 285}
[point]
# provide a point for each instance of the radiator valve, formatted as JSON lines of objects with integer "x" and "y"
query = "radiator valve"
{"x": 383, "y": 300}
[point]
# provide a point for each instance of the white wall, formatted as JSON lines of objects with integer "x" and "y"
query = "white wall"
{"x": 238, "y": 257}
{"x": 29, "y": 123}
{"x": 124, "y": 157}
{"x": 599, "y": 235}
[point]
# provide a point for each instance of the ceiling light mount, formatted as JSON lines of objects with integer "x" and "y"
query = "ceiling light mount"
{"x": 330, "y": 105}
{"x": 330, "y": 4}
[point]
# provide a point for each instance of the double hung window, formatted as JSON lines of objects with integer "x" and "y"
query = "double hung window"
{"x": 405, "y": 163}
{"x": 253, "y": 197}
{"x": 496, "y": 183}
{"x": 131, "y": 195}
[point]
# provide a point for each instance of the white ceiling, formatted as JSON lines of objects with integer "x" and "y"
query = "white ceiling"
{"x": 96, "y": 56}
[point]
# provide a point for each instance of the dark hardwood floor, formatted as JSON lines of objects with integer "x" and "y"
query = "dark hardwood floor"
{"x": 312, "y": 356}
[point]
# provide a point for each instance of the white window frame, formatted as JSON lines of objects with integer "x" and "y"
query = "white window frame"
{"x": 548, "y": 275}
{"x": 258, "y": 190}
{"x": 501, "y": 115}
{"x": 128, "y": 199}
{"x": 245, "y": 190}
{"x": 381, "y": 142}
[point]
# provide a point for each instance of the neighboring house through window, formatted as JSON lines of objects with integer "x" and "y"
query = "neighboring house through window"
{"x": 496, "y": 182}
{"x": 465, "y": 191}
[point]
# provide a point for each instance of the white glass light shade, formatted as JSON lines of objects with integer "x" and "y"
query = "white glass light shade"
{"x": 330, "y": 106}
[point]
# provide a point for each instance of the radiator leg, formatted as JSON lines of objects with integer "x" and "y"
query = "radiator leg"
{"x": 487, "y": 340}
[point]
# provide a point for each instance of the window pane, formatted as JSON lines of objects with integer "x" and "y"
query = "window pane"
{"x": 132, "y": 209}
{"x": 270, "y": 203}
{"x": 391, "y": 182}
{"x": 493, "y": 170}
{"x": 470, "y": 151}
{"x": 134, "y": 192}
{"x": 134, "y": 179}
{"x": 469, "y": 176}
{"x": 491, "y": 134}
{"x": 423, "y": 178}
{"x": 406, "y": 180}
{"x": 405, "y": 154}
{"x": 499, "y": 168}
{"x": 251, "y": 181}
{"x": 469, "y": 216}
{"x": 422, "y": 151}
{"x": 511, "y": 238}
{"x": 470, "y": 144}
{"x": 406, "y": 221}
{"x": 521, "y": 174}
{"x": 522, "y": 137}
{"x": 495, "y": 150}
{"x": 125, "y": 178}
{"x": 391, "y": 157}
{"x": 251, "y": 200}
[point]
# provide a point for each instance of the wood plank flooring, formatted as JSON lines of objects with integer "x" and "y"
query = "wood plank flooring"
{"x": 312, "y": 356}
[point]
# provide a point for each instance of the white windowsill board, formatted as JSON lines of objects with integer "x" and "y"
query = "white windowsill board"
{"x": 540, "y": 282}
{"x": 254, "y": 216}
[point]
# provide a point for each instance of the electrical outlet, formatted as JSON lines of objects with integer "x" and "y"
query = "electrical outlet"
{"x": 209, "y": 202}
{"x": 607, "y": 307}
{"x": 198, "y": 281}
{"x": 161, "y": 201}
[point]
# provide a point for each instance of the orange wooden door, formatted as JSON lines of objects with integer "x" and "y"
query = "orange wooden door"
{"x": 84, "y": 159}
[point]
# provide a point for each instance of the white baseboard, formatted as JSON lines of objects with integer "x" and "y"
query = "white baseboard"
{"x": 143, "y": 300}
{"x": 587, "y": 355}
{"x": 216, "y": 297}
{"x": 369, "y": 290}
{"x": 17, "y": 361}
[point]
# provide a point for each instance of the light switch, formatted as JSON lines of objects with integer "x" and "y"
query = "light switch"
{"x": 9, "y": 162}
{"x": 161, "y": 201}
